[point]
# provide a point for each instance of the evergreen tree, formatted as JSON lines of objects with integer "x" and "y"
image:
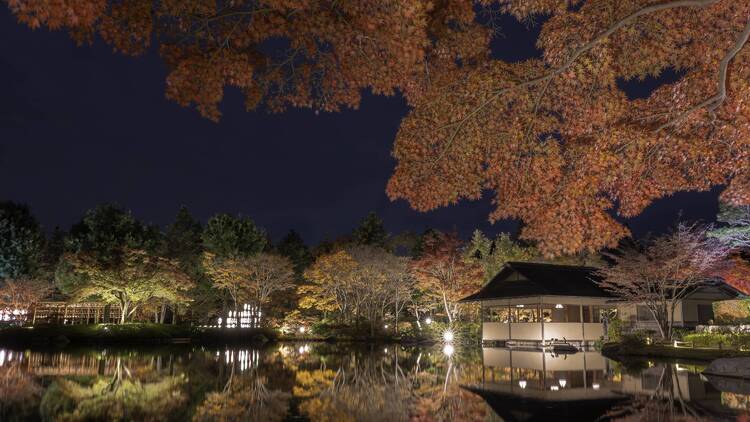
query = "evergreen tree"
{"x": 231, "y": 237}
{"x": 371, "y": 231}
{"x": 182, "y": 239}
{"x": 107, "y": 230}
{"x": 293, "y": 247}
{"x": 21, "y": 241}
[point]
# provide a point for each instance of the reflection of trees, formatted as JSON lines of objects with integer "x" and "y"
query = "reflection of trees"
{"x": 244, "y": 397}
{"x": 118, "y": 397}
{"x": 19, "y": 393}
{"x": 666, "y": 402}
{"x": 373, "y": 387}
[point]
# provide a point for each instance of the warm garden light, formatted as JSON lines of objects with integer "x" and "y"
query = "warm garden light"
{"x": 448, "y": 350}
{"x": 301, "y": 329}
{"x": 448, "y": 336}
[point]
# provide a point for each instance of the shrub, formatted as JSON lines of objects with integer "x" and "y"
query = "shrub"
{"x": 614, "y": 329}
{"x": 716, "y": 340}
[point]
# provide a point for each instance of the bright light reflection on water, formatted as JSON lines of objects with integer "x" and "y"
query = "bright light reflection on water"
{"x": 318, "y": 381}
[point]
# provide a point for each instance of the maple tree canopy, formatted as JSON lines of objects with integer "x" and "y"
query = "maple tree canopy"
{"x": 555, "y": 139}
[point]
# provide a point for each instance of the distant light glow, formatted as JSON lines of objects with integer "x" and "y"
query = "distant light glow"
{"x": 448, "y": 350}
{"x": 563, "y": 383}
{"x": 559, "y": 306}
{"x": 520, "y": 306}
{"x": 448, "y": 336}
{"x": 522, "y": 383}
{"x": 428, "y": 321}
{"x": 554, "y": 388}
{"x": 385, "y": 326}
{"x": 301, "y": 329}
{"x": 595, "y": 386}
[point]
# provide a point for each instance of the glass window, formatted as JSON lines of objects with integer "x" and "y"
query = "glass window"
{"x": 573, "y": 313}
{"x": 496, "y": 314}
{"x": 529, "y": 313}
{"x": 586, "y": 313}
{"x": 598, "y": 312}
{"x": 644, "y": 314}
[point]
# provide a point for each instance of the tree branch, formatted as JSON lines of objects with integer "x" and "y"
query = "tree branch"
{"x": 571, "y": 60}
{"x": 718, "y": 99}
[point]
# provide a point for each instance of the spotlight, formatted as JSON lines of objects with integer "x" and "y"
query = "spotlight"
{"x": 448, "y": 336}
{"x": 448, "y": 350}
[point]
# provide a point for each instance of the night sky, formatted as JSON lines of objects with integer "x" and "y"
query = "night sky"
{"x": 83, "y": 126}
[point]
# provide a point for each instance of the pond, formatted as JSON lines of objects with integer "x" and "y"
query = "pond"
{"x": 335, "y": 382}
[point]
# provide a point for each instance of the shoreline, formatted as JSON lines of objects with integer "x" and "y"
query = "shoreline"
{"x": 144, "y": 334}
{"x": 618, "y": 350}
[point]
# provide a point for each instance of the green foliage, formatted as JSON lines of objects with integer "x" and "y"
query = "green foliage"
{"x": 182, "y": 239}
{"x": 634, "y": 339}
{"x": 293, "y": 247}
{"x": 21, "y": 241}
{"x": 492, "y": 254}
{"x": 614, "y": 329}
{"x": 718, "y": 340}
{"x": 106, "y": 231}
{"x": 736, "y": 229}
{"x": 232, "y": 237}
{"x": 371, "y": 231}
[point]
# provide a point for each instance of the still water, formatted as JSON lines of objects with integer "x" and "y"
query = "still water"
{"x": 323, "y": 382}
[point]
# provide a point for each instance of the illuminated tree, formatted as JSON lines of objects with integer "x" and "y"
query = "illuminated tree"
{"x": 137, "y": 279}
{"x": 555, "y": 138}
{"x": 23, "y": 293}
{"x": 443, "y": 272}
{"x": 252, "y": 279}
{"x": 492, "y": 254}
{"x": 660, "y": 273}
{"x": 736, "y": 229}
{"x": 331, "y": 277}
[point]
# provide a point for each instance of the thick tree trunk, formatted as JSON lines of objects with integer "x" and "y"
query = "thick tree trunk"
{"x": 123, "y": 311}
{"x": 174, "y": 314}
{"x": 163, "y": 313}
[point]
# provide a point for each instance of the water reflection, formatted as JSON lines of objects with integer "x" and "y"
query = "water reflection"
{"x": 321, "y": 382}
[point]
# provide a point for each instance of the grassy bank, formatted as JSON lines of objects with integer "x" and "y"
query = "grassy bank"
{"x": 139, "y": 333}
{"x": 623, "y": 350}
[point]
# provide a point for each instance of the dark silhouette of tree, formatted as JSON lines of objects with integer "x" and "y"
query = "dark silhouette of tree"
{"x": 371, "y": 231}
{"x": 21, "y": 241}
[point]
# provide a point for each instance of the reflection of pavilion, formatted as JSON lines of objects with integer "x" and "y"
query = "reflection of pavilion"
{"x": 527, "y": 385}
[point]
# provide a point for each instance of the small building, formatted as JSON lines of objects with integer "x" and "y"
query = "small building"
{"x": 530, "y": 304}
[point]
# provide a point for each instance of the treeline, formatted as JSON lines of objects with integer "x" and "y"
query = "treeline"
{"x": 189, "y": 272}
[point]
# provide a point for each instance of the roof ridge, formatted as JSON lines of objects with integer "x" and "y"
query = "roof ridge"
{"x": 547, "y": 264}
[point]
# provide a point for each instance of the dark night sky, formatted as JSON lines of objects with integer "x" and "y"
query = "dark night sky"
{"x": 83, "y": 126}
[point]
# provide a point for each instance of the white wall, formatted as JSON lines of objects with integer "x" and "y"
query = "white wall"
{"x": 495, "y": 331}
{"x": 526, "y": 331}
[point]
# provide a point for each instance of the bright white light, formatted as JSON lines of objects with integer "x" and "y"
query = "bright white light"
{"x": 428, "y": 321}
{"x": 559, "y": 306}
{"x": 595, "y": 386}
{"x": 554, "y": 388}
{"x": 385, "y": 350}
{"x": 448, "y": 336}
{"x": 448, "y": 350}
{"x": 522, "y": 383}
{"x": 301, "y": 329}
{"x": 520, "y": 306}
{"x": 563, "y": 383}
{"x": 385, "y": 326}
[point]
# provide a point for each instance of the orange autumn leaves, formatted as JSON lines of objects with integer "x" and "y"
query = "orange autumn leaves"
{"x": 554, "y": 139}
